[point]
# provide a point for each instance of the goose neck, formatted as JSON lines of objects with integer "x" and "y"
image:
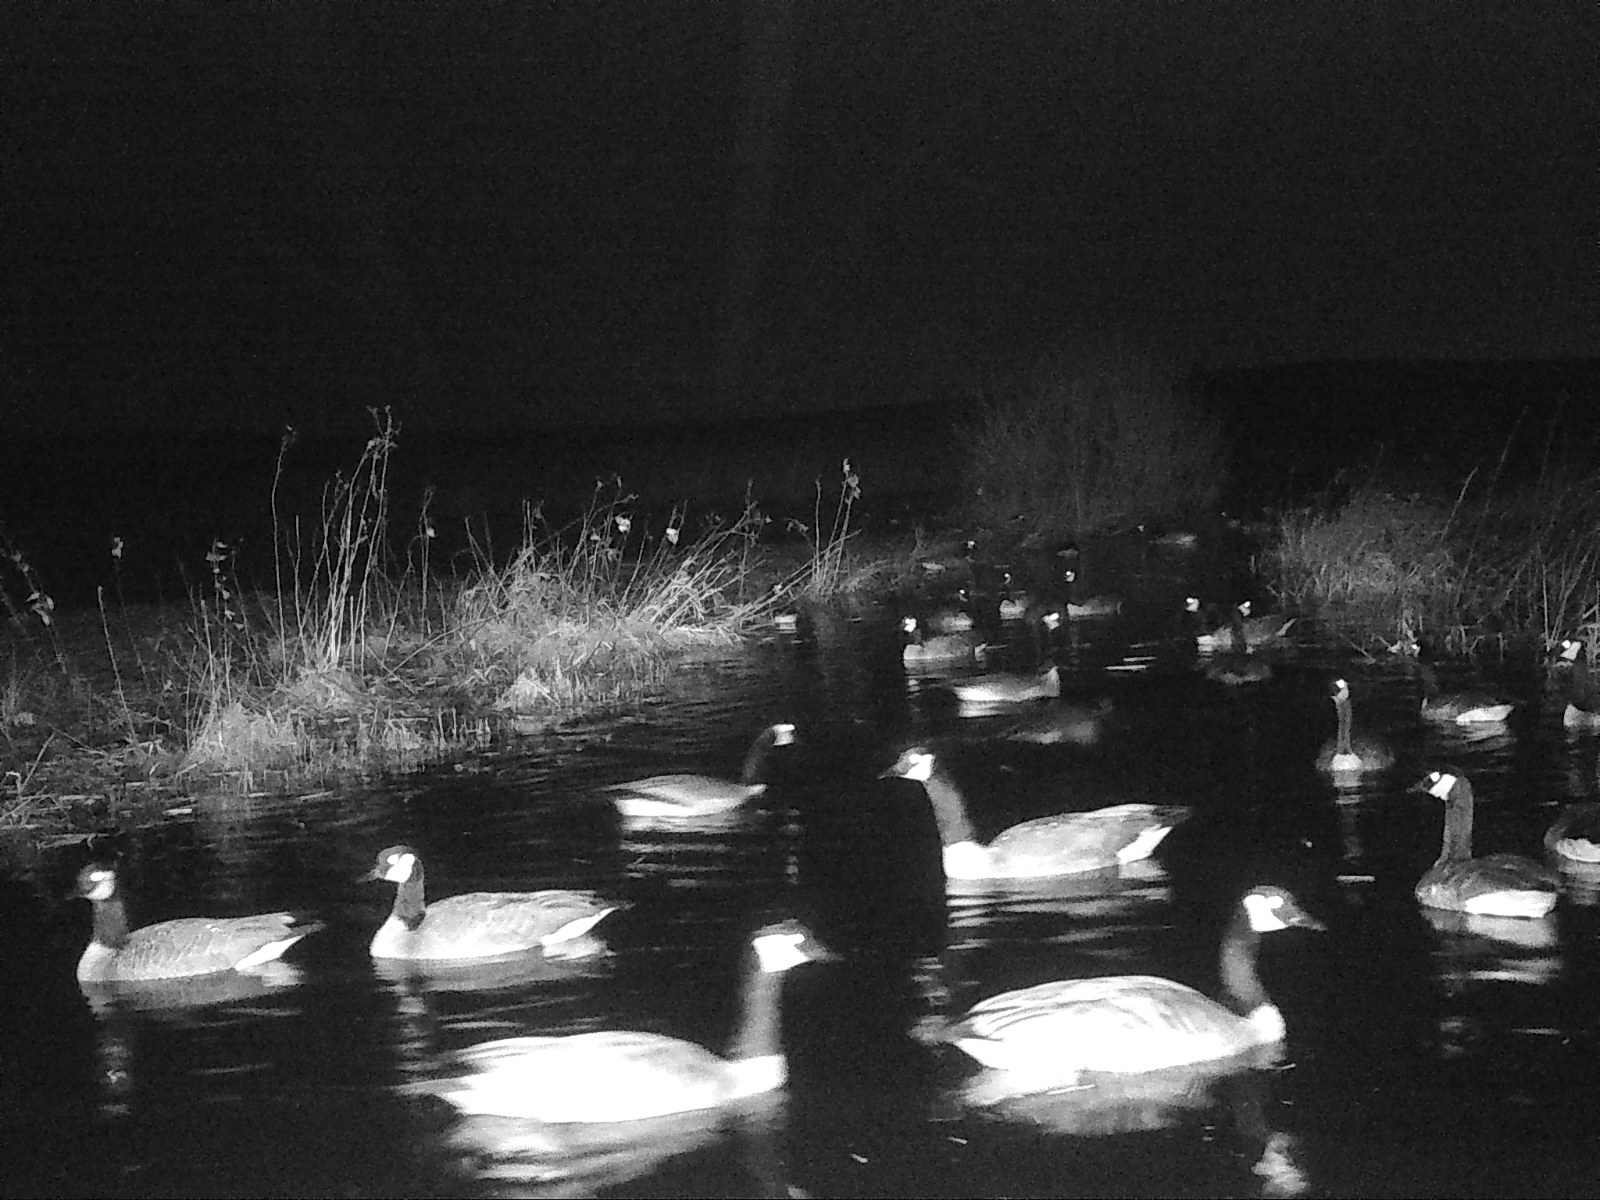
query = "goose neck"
{"x": 755, "y": 759}
{"x": 1241, "y": 983}
{"x": 111, "y": 928}
{"x": 759, "y": 1033}
{"x": 1457, "y": 845}
{"x": 949, "y": 808}
{"x": 409, "y": 905}
{"x": 1344, "y": 743}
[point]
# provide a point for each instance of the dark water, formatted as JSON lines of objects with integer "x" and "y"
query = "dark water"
{"x": 1422, "y": 1058}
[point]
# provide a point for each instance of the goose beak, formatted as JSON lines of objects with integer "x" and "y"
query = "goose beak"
{"x": 372, "y": 876}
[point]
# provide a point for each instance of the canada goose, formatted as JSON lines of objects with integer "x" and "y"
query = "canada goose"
{"x": 1348, "y": 753}
{"x": 619, "y": 1076}
{"x": 1500, "y": 885}
{"x": 682, "y": 796}
{"x": 921, "y": 649}
{"x": 1576, "y": 686}
{"x": 1574, "y": 837}
{"x": 174, "y": 949}
{"x": 1015, "y": 600}
{"x": 1008, "y": 688}
{"x": 1084, "y": 607}
{"x": 1062, "y": 721}
{"x": 479, "y": 924}
{"x": 1064, "y": 844}
{"x": 1265, "y": 628}
{"x": 1238, "y": 666}
{"x": 1458, "y": 708}
{"x": 950, "y": 617}
{"x": 1051, "y": 1035}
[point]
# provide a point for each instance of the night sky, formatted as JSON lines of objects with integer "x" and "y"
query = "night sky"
{"x": 517, "y": 214}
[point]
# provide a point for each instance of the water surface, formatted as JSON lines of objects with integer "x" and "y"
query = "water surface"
{"x": 1425, "y": 1055}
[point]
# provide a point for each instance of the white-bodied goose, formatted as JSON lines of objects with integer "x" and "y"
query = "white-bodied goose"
{"x": 1499, "y": 885}
{"x": 683, "y": 795}
{"x": 1458, "y": 708}
{"x": 1348, "y": 753}
{"x": 945, "y": 649}
{"x": 1064, "y": 844}
{"x": 479, "y": 924}
{"x": 1052, "y": 1035}
{"x": 622, "y": 1076}
{"x": 1006, "y": 687}
{"x": 174, "y": 949}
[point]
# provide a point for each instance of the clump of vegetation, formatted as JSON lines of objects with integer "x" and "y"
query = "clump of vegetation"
{"x": 1090, "y": 441}
{"x": 1379, "y": 567}
{"x": 1522, "y": 563}
{"x": 360, "y": 654}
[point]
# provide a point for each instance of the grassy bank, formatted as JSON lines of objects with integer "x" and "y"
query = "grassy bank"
{"x": 363, "y": 652}
{"x": 1508, "y": 568}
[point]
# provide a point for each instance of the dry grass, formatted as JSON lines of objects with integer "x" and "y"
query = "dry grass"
{"x": 1520, "y": 565}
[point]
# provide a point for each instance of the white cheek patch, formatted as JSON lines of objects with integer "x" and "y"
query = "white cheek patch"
{"x": 400, "y": 867}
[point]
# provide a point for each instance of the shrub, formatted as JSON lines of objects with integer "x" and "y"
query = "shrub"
{"x": 1090, "y": 441}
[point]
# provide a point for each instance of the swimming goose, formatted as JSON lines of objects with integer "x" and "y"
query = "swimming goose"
{"x": 479, "y": 924}
{"x": 680, "y": 796}
{"x": 1014, "y": 599}
{"x": 953, "y": 616}
{"x": 1062, "y": 721}
{"x": 619, "y": 1076}
{"x": 1500, "y": 885}
{"x": 1051, "y": 1035}
{"x": 1005, "y": 687}
{"x": 1064, "y": 844}
{"x": 1084, "y": 607}
{"x": 1348, "y": 753}
{"x": 938, "y": 649}
{"x": 1458, "y": 708}
{"x": 1238, "y": 666}
{"x": 1217, "y": 637}
{"x": 1575, "y": 686}
{"x": 1265, "y": 628}
{"x": 1574, "y": 837}
{"x": 174, "y": 949}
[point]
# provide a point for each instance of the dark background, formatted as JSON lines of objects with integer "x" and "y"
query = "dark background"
{"x": 493, "y": 216}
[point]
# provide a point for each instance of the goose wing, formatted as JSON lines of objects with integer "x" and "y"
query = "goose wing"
{"x": 1069, "y": 843}
{"x": 699, "y": 793}
{"x": 488, "y": 923}
{"x": 1498, "y": 884}
{"x": 1123, "y": 1024}
{"x": 588, "y": 1077}
{"x": 202, "y": 945}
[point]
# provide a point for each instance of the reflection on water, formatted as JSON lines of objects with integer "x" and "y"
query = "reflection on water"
{"x": 1426, "y": 1052}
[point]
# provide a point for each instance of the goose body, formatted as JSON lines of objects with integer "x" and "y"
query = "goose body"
{"x": 1052, "y": 1035}
{"x": 621, "y": 1076}
{"x": 950, "y": 617}
{"x": 1575, "y": 687}
{"x": 1458, "y": 708}
{"x": 1063, "y": 722}
{"x": 1008, "y": 688}
{"x": 1255, "y": 630}
{"x": 1347, "y": 753}
{"x": 1238, "y": 666}
{"x": 1079, "y": 608}
{"x": 1064, "y": 844}
{"x": 1574, "y": 837}
{"x": 1499, "y": 885}
{"x": 683, "y": 795}
{"x": 477, "y": 925}
{"x": 925, "y": 649}
{"x": 174, "y": 949}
